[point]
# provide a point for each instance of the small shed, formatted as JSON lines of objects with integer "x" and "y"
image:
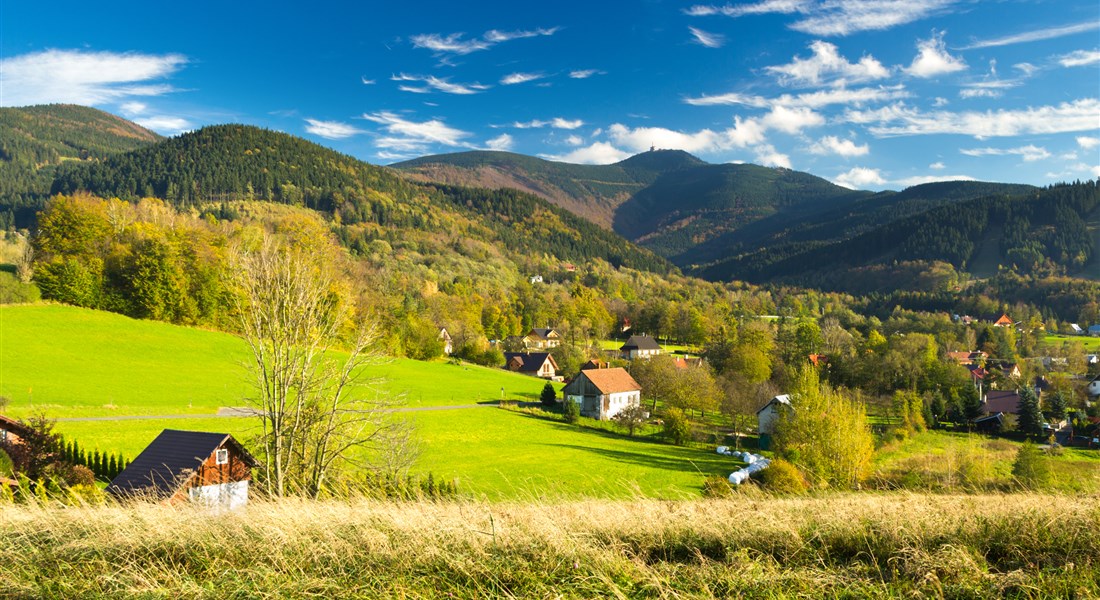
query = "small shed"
{"x": 769, "y": 413}
{"x": 208, "y": 468}
{"x": 603, "y": 393}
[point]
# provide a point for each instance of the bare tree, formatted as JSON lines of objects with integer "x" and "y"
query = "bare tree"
{"x": 308, "y": 353}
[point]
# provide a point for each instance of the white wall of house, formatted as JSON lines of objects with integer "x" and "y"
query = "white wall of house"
{"x": 616, "y": 403}
{"x": 224, "y": 496}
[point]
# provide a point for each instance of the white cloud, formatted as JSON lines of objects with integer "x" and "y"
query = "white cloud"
{"x": 133, "y": 109}
{"x": 833, "y": 17}
{"x": 574, "y": 140}
{"x": 81, "y": 77}
{"x": 826, "y": 65}
{"x": 599, "y": 153}
{"x": 515, "y": 78}
{"x": 769, "y": 157}
{"x": 1026, "y": 68}
{"x": 980, "y": 92}
{"x": 437, "y": 83}
{"x": 833, "y": 145}
{"x": 844, "y": 17}
{"x": 411, "y": 136}
{"x": 760, "y": 8}
{"x": 940, "y": 102}
{"x": 556, "y": 123}
{"x": 496, "y": 36}
{"x": 816, "y": 99}
{"x": 792, "y": 120}
{"x": 898, "y": 119}
{"x": 502, "y": 142}
{"x": 710, "y": 40}
{"x": 1080, "y": 58}
{"x": 1030, "y": 153}
{"x": 923, "y": 179}
{"x": 859, "y": 178}
{"x": 1087, "y": 142}
{"x": 449, "y": 44}
{"x": 331, "y": 130}
{"x": 933, "y": 60}
{"x": 164, "y": 124}
{"x": 1034, "y": 36}
{"x": 456, "y": 44}
{"x": 641, "y": 139}
{"x": 584, "y": 73}
{"x": 367, "y": 81}
{"x": 938, "y": 166}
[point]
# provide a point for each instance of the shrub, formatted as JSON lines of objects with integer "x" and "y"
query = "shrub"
{"x": 677, "y": 426}
{"x": 570, "y": 412}
{"x": 782, "y": 477}
{"x": 7, "y": 469}
{"x": 1031, "y": 469}
{"x": 549, "y": 395}
{"x": 717, "y": 487}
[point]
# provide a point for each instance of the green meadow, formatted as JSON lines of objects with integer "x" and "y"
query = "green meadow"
{"x": 1091, "y": 344}
{"x": 114, "y": 383}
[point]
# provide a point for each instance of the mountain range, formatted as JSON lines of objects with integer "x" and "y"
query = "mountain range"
{"x": 717, "y": 221}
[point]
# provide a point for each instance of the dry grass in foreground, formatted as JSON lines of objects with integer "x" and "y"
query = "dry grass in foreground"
{"x": 840, "y": 545}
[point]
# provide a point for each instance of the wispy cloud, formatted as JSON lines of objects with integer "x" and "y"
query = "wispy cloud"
{"x": 599, "y": 153}
{"x": 441, "y": 84}
{"x": 517, "y": 78}
{"x": 923, "y": 179}
{"x": 833, "y": 17}
{"x": 826, "y": 65}
{"x": 584, "y": 73}
{"x": 331, "y": 130}
{"x": 758, "y": 8}
{"x": 502, "y": 142}
{"x": 831, "y": 144}
{"x": 933, "y": 60}
{"x": 710, "y": 40}
{"x": 1030, "y": 153}
{"x": 82, "y": 77}
{"x": 859, "y": 178}
{"x": 1080, "y": 58}
{"x": 818, "y": 99}
{"x": 986, "y": 89}
{"x": 459, "y": 44}
{"x": 1036, "y": 35}
{"x": 901, "y": 120}
{"x": 407, "y": 136}
{"x": 165, "y": 124}
{"x": 938, "y": 165}
{"x": 556, "y": 123}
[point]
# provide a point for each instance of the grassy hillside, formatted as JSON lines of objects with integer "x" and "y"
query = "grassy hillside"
{"x": 72, "y": 363}
{"x": 843, "y": 546}
{"x": 34, "y": 140}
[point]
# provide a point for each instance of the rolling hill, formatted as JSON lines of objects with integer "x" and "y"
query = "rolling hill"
{"x": 34, "y": 140}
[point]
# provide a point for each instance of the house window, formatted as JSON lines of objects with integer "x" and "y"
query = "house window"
{"x": 221, "y": 457}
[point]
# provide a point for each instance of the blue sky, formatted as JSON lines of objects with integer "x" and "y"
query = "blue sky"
{"x": 871, "y": 94}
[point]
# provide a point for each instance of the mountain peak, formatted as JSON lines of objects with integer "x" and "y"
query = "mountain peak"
{"x": 661, "y": 161}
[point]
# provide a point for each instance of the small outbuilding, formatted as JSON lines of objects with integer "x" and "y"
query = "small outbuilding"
{"x": 212, "y": 469}
{"x": 538, "y": 364}
{"x": 603, "y": 393}
{"x": 769, "y": 413}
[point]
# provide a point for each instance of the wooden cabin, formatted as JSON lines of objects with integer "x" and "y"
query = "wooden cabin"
{"x": 212, "y": 469}
{"x": 603, "y": 393}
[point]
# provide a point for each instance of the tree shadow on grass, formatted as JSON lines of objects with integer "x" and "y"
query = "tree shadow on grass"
{"x": 679, "y": 459}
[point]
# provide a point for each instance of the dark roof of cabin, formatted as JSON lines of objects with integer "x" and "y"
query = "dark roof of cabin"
{"x": 1004, "y": 401}
{"x": 530, "y": 361}
{"x": 640, "y": 342}
{"x": 170, "y": 459}
{"x": 17, "y": 427}
{"x": 543, "y": 331}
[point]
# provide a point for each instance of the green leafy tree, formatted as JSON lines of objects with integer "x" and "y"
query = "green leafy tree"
{"x": 630, "y": 418}
{"x": 827, "y": 433}
{"x": 677, "y": 426}
{"x": 570, "y": 411}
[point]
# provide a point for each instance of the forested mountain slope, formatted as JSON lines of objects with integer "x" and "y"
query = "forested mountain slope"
{"x": 34, "y": 140}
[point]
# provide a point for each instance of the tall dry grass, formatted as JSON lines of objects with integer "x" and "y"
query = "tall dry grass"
{"x": 850, "y": 545}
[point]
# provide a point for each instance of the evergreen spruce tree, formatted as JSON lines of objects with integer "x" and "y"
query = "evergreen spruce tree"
{"x": 549, "y": 396}
{"x": 1029, "y": 419}
{"x": 1058, "y": 405}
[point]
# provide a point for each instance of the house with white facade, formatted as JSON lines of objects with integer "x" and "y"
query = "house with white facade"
{"x": 603, "y": 393}
{"x": 769, "y": 413}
